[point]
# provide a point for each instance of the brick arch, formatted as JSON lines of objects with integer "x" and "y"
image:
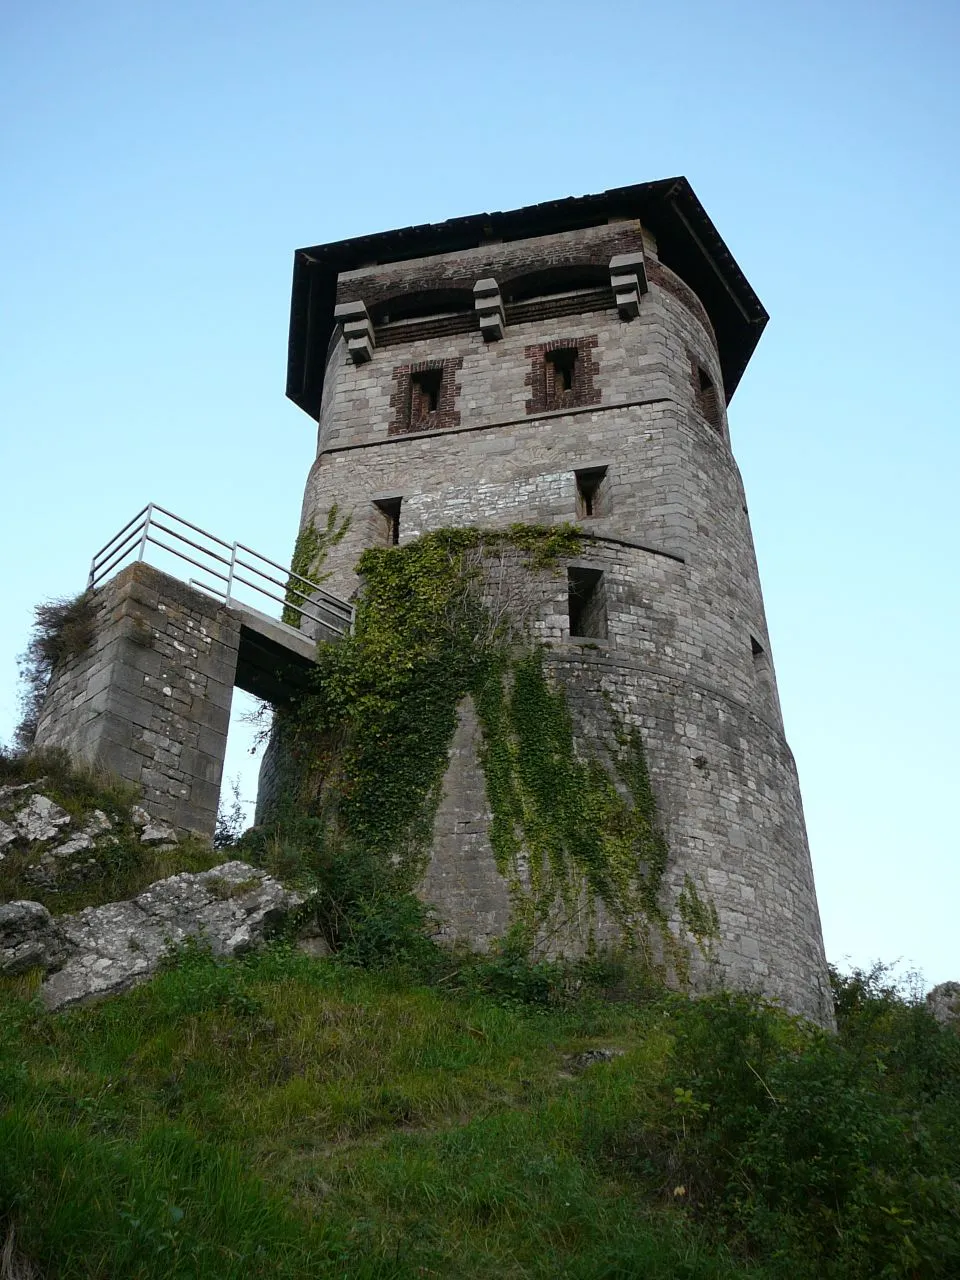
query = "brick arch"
{"x": 562, "y": 278}
{"x": 418, "y": 304}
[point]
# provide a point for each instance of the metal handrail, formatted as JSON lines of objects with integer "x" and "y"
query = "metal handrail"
{"x": 309, "y": 599}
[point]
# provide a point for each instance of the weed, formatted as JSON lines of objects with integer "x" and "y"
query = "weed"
{"x": 62, "y": 629}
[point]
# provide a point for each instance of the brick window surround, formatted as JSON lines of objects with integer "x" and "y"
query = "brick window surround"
{"x": 424, "y": 396}
{"x": 706, "y": 397}
{"x": 561, "y": 374}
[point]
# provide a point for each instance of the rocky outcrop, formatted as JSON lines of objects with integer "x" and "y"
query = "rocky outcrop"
{"x": 943, "y": 1001}
{"x": 30, "y": 939}
{"x": 105, "y": 950}
{"x": 58, "y": 852}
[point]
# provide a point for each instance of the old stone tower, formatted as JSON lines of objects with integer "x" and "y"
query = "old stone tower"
{"x": 573, "y": 361}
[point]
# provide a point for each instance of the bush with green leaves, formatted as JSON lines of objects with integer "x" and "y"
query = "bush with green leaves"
{"x": 835, "y": 1154}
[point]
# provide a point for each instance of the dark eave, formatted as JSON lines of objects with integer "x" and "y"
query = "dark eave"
{"x": 687, "y": 242}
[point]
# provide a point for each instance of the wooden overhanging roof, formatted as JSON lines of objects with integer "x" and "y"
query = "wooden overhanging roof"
{"x": 687, "y": 242}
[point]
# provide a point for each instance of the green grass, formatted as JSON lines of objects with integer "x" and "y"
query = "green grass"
{"x": 283, "y": 1116}
{"x": 289, "y": 1117}
{"x": 403, "y": 1111}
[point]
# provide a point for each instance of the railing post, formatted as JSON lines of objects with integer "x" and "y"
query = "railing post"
{"x": 233, "y": 565}
{"x": 146, "y": 530}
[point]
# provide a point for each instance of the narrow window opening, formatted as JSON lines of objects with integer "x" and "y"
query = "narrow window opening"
{"x": 762, "y": 670}
{"x": 587, "y": 603}
{"x": 389, "y": 509}
{"x": 591, "y": 491}
{"x": 709, "y": 402}
{"x": 561, "y": 371}
{"x": 425, "y": 388}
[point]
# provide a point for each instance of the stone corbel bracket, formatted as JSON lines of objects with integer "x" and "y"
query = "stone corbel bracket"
{"x": 489, "y": 306}
{"x": 628, "y": 280}
{"x": 357, "y": 330}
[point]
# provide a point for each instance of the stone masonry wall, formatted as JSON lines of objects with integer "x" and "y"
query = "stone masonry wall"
{"x": 150, "y": 699}
{"x": 725, "y": 782}
{"x": 687, "y": 657}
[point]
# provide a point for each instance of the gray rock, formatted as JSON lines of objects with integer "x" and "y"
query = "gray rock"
{"x": 75, "y": 844}
{"x": 943, "y": 1001}
{"x": 55, "y": 864}
{"x": 312, "y": 943}
{"x": 97, "y": 824}
{"x": 40, "y": 819}
{"x": 232, "y": 907}
{"x": 40, "y": 877}
{"x": 30, "y": 939}
{"x": 580, "y": 1061}
{"x": 139, "y": 817}
{"x": 156, "y": 832}
{"x": 8, "y": 793}
{"x": 7, "y": 836}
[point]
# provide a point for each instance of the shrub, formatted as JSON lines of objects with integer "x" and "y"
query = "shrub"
{"x": 62, "y": 629}
{"x": 836, "y": 1152}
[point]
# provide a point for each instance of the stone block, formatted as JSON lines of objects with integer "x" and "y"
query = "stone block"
{"x": 201, "y": 766}
{"x": 211, "y": 740}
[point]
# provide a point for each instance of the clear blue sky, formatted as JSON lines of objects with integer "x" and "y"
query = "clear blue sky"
{"x": 159, "y": 163}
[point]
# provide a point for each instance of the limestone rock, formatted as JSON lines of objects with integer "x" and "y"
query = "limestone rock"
{"x": 231, "y": 907}
{"x": 156, "y": 832}
{"x": 943, "y": 1001}
{"x": 40, "y": 819}
{"x": 8, "y": 793}
{"x": 97, "y": 824}
{"x": 577, "y": 1062}
{"x": 139, "y": 817}
{"x": 312, "y": 943}
{"x": 30, "y": 939}
{"x": 7, "y": 836}
{"x": 75, "y": 844}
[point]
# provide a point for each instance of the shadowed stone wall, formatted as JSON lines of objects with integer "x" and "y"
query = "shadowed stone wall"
{"x": 150, "y": 698}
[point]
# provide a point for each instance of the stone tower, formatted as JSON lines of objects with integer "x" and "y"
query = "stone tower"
{"x": 573, "y": 361}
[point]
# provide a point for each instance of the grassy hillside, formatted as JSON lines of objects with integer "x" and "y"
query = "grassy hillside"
{"x": 287, "y": 1117}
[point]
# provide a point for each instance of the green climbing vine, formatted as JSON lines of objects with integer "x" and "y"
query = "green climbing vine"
{"x": 440, "y": 619}
{"x": 561, "y": 827}
{"x": 309, "y": 553}
{"x": 698, "y": 915}
{"x": 385, "y": 698}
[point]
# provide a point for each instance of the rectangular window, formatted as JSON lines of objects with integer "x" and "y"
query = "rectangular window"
{"x": 762, "y": 671}
{"x": 708, "y": 401}
{"x": 587, "y": 603}
{"x": 561, "y": 376}
{"x": 425, "y": 389}
{"x": 592, "y": 492}
{"x": 389, "y": 512}
{"x": 424, "y": 396}
{"x": 562, "y": 373}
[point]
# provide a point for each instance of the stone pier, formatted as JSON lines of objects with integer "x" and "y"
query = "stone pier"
{"x": 149, "y": 699}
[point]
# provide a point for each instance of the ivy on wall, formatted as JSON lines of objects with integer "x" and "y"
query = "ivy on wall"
{"x": 439, "y": 619}
{"x": 561, "y": 827}
{"x": 309, "y": 553}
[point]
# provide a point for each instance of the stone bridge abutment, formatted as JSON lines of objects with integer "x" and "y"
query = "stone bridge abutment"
{"x": 149, "y": 698}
